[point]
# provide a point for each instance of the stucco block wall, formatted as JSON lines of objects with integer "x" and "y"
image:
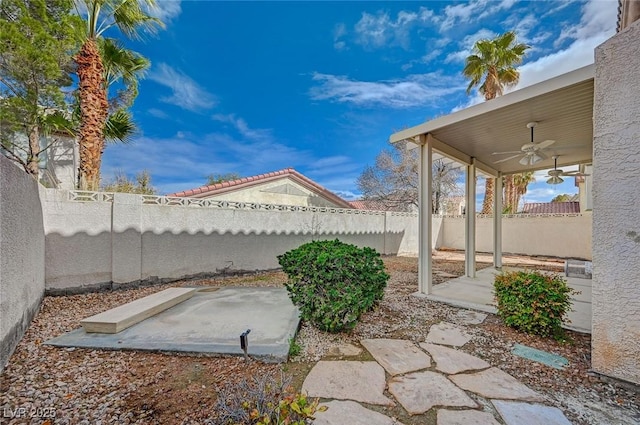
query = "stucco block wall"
{"x": 556, "y": 236}
{"x": 616, "y": 207}
{"x": 21, "y": 255}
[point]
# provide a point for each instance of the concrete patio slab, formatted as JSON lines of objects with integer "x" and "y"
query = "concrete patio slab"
{"x": 517, "y": 413}
{"x": 347, "y": 380}
{"x": 452, "y": 361}
{"x": 397, "y": 356}
{"x": 350, "y": 412}
{"x": 210, "y": 322}
{"x": 420, "y": 391}
{"x": 447, "y": 334}
{"x": 465, "y": 417}
{"x": 494, "y": 383}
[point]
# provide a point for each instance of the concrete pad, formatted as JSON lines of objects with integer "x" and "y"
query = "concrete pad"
{"x": 420, "y": 391}
{"x": 350, "y": 412}
{"x": 452, "y": 361}
{"x": 346, "y": 350}
{"x": 210, "y": 322}
{"x": 548, "y": 359}
{"x": 347, "y": 380}
{"x": 447, "y": 334}
{"x": 465, "y": 417}
{"x": 470, "y": 317}
{"x": 397, "y": 356}
{"x": 120, "y": 318}
{"x": 494, "y": 383}
{"x": 517, "y": 413}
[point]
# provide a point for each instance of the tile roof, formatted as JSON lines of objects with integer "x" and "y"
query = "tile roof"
{"x": 570, "y": 207}
{"x": 228, "y": 186}
{"x": 375, "y": 205}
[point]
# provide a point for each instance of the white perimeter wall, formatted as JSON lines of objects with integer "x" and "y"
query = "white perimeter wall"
{"x": 21, "y": 255}
{"x": 96, "y": 239}
{"x": 616, "y": 206}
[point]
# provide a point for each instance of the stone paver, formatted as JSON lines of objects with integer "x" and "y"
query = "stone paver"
{"x": 494, "y": 383}
{"x": 350, "y": 412}
{"x": 465, "y": 417}
{"x": 548, "y": 359}
{"x": 450, "y": 361}
{"x": 347, "y": 380}
{"x": 420, "y": 391}
{"x": 345, "y": 350}
{"x": 470, "y": 317}
{"x": 518, "y": 413}
{"x": 447, "y": 334}
{"x": 397, "y": 356}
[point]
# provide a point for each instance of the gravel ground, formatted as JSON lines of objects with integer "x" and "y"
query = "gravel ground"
{"x": 50, "y": 385}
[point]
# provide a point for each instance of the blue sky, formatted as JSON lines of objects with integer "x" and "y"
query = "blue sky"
{"x": 254, "y": 87}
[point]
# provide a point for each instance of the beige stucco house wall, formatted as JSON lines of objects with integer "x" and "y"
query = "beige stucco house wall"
{"x": 616, "y": 207}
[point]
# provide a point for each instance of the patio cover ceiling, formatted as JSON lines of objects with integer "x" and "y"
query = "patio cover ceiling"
{"x": 562, "y": 107}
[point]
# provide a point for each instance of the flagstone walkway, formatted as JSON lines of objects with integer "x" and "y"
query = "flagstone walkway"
{"x": 464, "y": 389}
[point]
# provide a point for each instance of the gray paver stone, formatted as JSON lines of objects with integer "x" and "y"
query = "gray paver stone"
{"x": 470, "y": 317}
{"x": 397, "y": 356}
{"x": 465, "y": 417}
{"x": 518, "y": 413}
{"x": 449, "y": 360}
{"x": 494, "y": 383}
{"x": 345, "y": 350}
{"x": 447, "y": 334}
{"x": 347, "y": 380}
{"x": 420, "y": 391}
{"x": 350, "y": 412}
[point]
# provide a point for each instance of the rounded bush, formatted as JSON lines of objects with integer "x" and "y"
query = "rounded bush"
{"x": 532, "y": 301}
{"x": 333, "y": 283}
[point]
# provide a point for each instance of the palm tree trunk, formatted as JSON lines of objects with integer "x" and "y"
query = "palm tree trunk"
{"x": 487, "y": 203}
{"x": 93, "y": 114}
{"x": 509, "y": 194}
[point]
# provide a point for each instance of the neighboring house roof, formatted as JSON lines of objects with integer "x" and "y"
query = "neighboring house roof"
{"x": 245, "y": 182}
{"x": 570, "y": 207}
{"x": 371, "y": 205}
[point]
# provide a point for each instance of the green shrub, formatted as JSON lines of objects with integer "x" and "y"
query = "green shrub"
{"x": 333, "y": 283}
{"x": 532, "y": 301}
{"x": 264, "y": 400}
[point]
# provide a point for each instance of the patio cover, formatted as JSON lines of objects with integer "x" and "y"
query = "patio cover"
{"x": 563, "y": 108}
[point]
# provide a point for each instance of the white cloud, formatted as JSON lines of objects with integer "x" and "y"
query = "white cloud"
{"x": 414, "y": 90}
{"x": 166, "y": 10}
{"x": 380, "y": 30}
{"x": 242, "y": 127}
{"x": 339, "y": 31}
{"x": 186, "y": 93}
{"x": 467, "y": 43}
{"x": 599, "y": 18}
{"x": 158, "y": 113}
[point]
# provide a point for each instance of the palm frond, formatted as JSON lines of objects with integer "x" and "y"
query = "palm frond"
{"x": 120, "y": 127}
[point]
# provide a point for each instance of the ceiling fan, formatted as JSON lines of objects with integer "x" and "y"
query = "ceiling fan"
{"x": 554, "y": 175}
{"x": 531, "y": 152}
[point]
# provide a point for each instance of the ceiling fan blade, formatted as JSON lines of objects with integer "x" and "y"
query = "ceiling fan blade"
{"x": 506, "y": 159}
{"x": 541, "y": 155}
{"x": 545, "y": 144}
{"x": 505, "y": 152}
{"x": 575, "y": 174}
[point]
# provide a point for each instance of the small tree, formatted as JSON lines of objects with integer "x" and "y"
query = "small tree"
{"x": 36, "y": 44}
{"x": 562, "y": 198}
{"x": 122, "y": 183}
{"x": 393, "y": 179}
{"x": 221, "y": 178}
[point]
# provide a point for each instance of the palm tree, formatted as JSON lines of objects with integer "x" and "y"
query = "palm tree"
{"x": 491, "y": 67}
{"x": 520, "y": 183}
{"x": 130, "y": 17}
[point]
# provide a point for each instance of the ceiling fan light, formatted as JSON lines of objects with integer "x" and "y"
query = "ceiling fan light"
{"x": 555, "y": 180}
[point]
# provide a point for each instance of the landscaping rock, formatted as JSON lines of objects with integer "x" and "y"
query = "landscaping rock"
{"x": 450, "y": 361}
{"x": 470, "y": 317}
{"x": 397, "y": 356}
{"x": 347, "y": 380}
{"x": 347, "y": 350}
{"x": 494, "y": 383}
{"x": 447, "y": 334}
{"x": 420, "y": 391}
{"x": 465, "y": 417}
{"x": 350, "y": 412}
{"x": 517, "y": 413}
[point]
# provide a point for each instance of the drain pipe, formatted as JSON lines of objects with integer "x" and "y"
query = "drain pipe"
{"x": 244, "y": 343}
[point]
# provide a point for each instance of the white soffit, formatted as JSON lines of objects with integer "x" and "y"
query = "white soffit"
{"x": 562, "y": 107}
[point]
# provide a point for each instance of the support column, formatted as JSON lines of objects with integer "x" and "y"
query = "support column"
{"x": 497, "y": 222}
{"x": 425, "y": 217}
{"x": 470, "y": 221}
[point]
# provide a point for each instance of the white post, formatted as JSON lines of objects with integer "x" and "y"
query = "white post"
{"x": 470, "y": 221}
{"x": 497, "y": 222}
{"x": 424, "y": 217}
